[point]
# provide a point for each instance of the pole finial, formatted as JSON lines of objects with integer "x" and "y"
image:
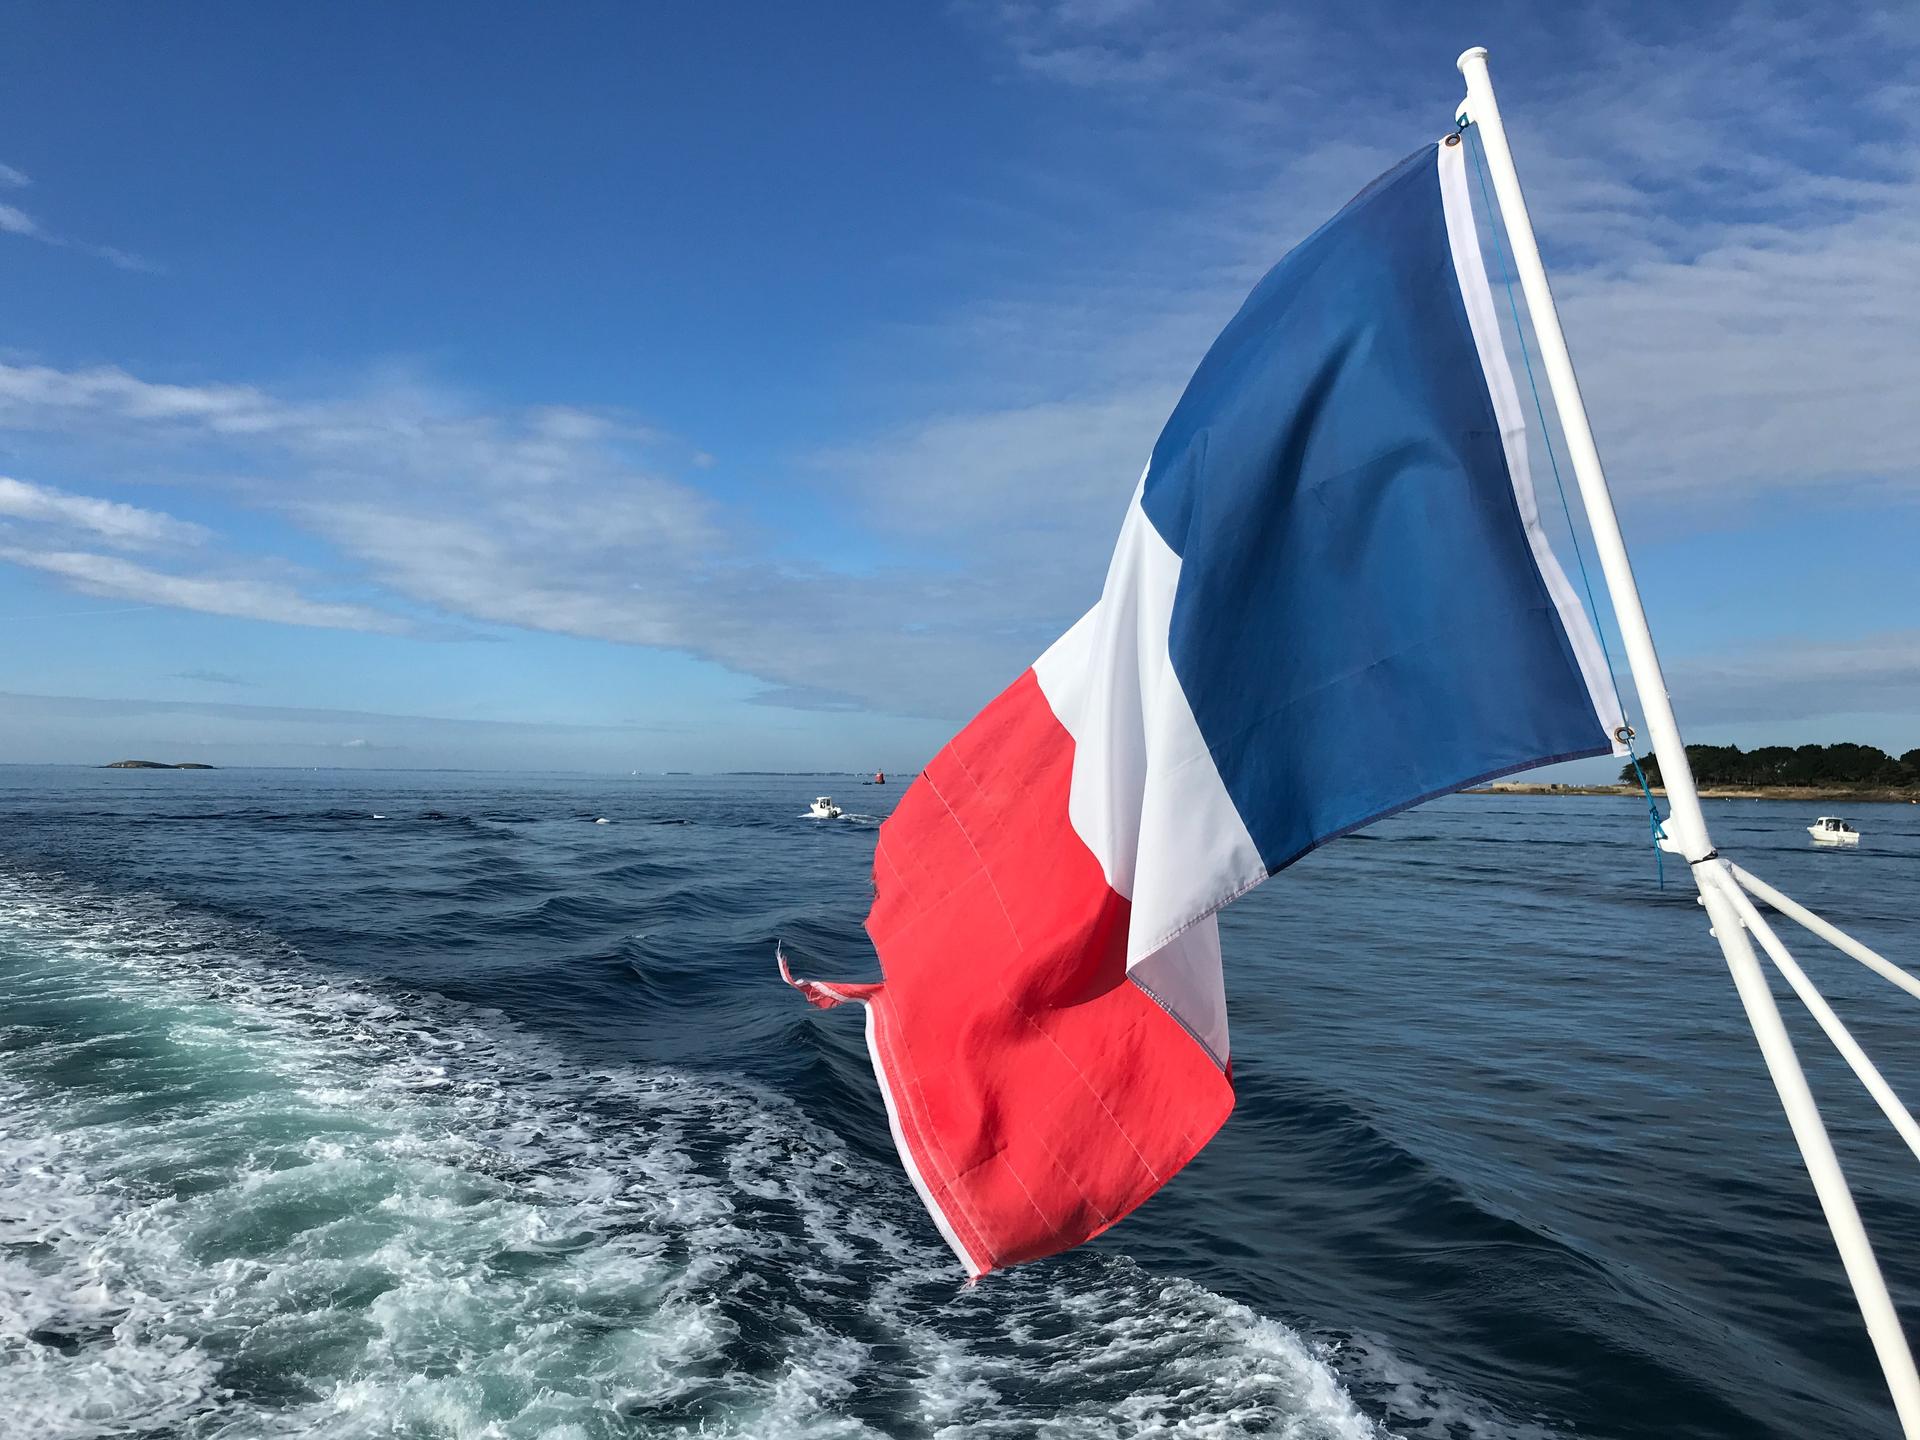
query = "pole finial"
{"x": 1467, "y": 57}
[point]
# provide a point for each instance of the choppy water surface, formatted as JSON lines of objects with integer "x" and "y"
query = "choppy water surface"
{"x": 422, "y": 1105}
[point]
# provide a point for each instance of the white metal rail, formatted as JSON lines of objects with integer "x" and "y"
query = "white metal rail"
{"x": 1732, "y": 915}
{"x": 1832, "y": 934}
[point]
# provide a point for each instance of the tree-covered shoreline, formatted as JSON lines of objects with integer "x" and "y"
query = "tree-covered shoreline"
{"x": 1790, "y": 765}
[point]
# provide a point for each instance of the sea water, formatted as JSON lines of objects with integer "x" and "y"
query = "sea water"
{"x": 415, "y": 1104}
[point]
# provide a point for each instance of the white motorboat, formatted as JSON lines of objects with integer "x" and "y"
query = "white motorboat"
{"x": 823, "y": 808}
{"x": 1832, "y": 830}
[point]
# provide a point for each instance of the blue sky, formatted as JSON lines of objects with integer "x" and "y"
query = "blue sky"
{"x": 621, "y": 387}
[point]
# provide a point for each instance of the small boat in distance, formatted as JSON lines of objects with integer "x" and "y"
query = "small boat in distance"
{"x": 1832, "y": 830}
{"x": 822, "y": 808}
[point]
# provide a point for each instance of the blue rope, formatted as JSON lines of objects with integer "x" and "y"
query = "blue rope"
{"x": 1526, "y": 357}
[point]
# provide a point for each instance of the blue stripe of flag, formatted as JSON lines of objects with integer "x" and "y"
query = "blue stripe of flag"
{"x": 1360, "y": 624}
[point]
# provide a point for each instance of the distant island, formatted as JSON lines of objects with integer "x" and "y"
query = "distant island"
{"x": 155, "y": 765}
{"x": 1772, "y": 772}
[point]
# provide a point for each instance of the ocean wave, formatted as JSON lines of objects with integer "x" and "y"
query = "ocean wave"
{"x": 245, "y": 1197}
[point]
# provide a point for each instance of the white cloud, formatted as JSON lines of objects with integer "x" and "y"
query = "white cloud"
{"x": 120, "y": 259}
{"x": 548, "y": 519}
{"x": 1796, "y": 678}
{"x": 1737, "y": 284}
{"x": 41, "y": 397}
{"x": 1738, "y": 290}
{"x": 15, "y": 221}
{"x": 115, "y": 578}
{"x": 1060, "y": 463}
{"x": 123, "y": 526}
{"x": 1737, "y": 287}
{"x": 1773, "y": 361}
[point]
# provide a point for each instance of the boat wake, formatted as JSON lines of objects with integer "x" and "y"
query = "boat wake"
{"x": 242, "y": 1197}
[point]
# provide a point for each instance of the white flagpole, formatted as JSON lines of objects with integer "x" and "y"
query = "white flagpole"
{"x": 1688, "y": 824}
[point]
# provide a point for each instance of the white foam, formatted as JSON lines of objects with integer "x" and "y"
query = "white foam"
{"x": 348, "y": 1212}
{"x": 1420, "y": 1404}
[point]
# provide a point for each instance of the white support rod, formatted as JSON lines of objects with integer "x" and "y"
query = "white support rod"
{"x": 1719, "y": 891}
{"x": 1688, "y": 825}
{"x": 1862, "y": 1065}
{"x": 1832, "y": 934}
{"x": 1686, "y": 821}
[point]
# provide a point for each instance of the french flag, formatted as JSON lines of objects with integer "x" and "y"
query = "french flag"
{"x": 1331, "y": 599}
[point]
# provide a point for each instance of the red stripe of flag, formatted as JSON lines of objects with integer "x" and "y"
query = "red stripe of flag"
{"x": 1038, "y": 1095}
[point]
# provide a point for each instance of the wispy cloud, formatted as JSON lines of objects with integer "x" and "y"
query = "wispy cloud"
{"x": 109, "y": 521}
{"x": 213, "y": 677}
{"x": 552, "y": 518}
{"x": 1730, "y": 211}
{"x": 15, "y": 221}
{"x": 46, "y": 529}
{"x": 1025, "y": 499}
{"x": 115, "y": 578}
{"x": 1733, "y": 259}
{"x": 1731, "y": 214}
{"x": 1797, "y": 678}
{"x": 37, "y": 397}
